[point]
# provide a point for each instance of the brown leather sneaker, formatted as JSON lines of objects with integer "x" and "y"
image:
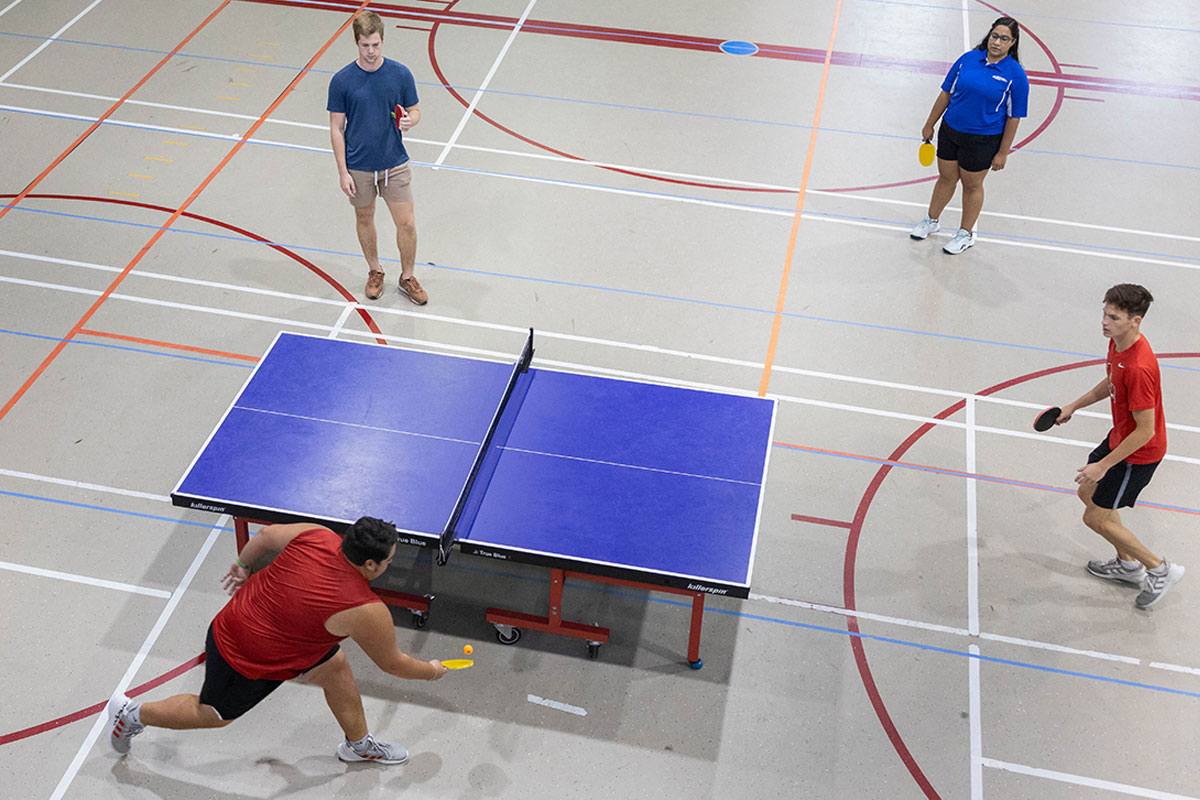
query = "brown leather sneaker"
{"x": 374, "y": 284}
{"x": 414, "y": 291}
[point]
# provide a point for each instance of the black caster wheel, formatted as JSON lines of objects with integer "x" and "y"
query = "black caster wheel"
{"x": 512, "y": 637}
{"x": 420, "y": 619}
{"x": 593, "y": 650}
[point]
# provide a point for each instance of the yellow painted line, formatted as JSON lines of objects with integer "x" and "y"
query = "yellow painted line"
{"x": 227, "y": 97}
{"x": 244, "y": 69}
{"x": 193, "y": 127}
{"x": 270, "y": 44}
{"x": 259, "y": 55}
{"x": 181, "y": 144}
{"x": 235, "y": 83}
{"x": 147, "y": 177}
{"x": 156, "y": 158}
{"x": 123, "y": 194}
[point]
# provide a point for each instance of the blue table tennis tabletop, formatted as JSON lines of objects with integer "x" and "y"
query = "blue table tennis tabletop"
{"x": 634, "y": 480}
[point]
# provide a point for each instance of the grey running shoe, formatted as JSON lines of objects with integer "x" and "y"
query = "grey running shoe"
{"x": 374, "y": 750}
{"x": 1114, "y": 570}
{"x": 925, "y": 227}
{"x": 1155, "y": 586}
{"x": 121, "y": 729}
{"x": 961, "y": 241}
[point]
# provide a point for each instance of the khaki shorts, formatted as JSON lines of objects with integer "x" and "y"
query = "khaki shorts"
{"x": 393, "y": 185}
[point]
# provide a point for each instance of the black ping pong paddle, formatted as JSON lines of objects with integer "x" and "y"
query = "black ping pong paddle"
{"x": 1045, "y": 420}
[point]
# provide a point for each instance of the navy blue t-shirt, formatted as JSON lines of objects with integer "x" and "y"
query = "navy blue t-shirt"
{"x": 983, "y": 96}
{"x": 368, "y": 100}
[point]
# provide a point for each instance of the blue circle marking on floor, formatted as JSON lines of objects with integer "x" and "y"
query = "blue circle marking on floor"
{"x": 739, "y": 48}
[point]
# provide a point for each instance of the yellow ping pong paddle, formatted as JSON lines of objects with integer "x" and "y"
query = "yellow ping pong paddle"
{"x": 926, "y": 153}
{"x": 458, "y": 663}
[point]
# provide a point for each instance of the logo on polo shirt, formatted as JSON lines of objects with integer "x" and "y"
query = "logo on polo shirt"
{"x": 1000, "y": 78}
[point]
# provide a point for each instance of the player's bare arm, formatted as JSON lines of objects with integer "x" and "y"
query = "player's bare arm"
{"x": 337, "y": 138}
{"x": 270, "y": 539}
{"x": 1094, "y": 395}
{"x": 372, "y": 629}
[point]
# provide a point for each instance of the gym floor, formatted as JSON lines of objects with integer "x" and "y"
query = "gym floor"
{"x": 658, "y": 203}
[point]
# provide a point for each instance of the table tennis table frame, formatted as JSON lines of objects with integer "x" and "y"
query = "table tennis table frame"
{"x": 418, "y": 604}
{"x": 594, "y": 635}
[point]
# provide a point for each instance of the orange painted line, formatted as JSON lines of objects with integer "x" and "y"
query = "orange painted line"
{"x": 172, "y": 345}
{"x": 46, "y": 362}
{"x": 769, "y": 361}
{"x": 100, "y": 120}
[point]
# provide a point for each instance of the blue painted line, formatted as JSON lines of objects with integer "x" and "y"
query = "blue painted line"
{"x": 739, "y": 614}
{"x": 124, "y": 347}
{"x": 172, "y": 520}
{"x": 608, "y": 289}
{"x": 650, "y": 597}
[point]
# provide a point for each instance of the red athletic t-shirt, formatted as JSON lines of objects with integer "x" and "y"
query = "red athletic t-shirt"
{"x": 1134, "y": 385}
{"x": 274, "y": 625}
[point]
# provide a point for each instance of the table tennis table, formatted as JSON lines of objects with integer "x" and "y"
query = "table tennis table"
{"x": 619, "y": 481}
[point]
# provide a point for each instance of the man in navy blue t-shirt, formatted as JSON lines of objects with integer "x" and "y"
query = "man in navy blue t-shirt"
{"x": 372, "y": 102}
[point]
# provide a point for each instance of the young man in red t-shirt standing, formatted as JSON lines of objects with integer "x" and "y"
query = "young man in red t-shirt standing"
{"x": 1121, "y": 466}
{"x": 285, "y": 621}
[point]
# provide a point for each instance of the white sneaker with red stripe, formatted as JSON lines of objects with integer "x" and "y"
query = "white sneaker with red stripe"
{"x": 121, "y": 727}
{"x": 370, "y": 749}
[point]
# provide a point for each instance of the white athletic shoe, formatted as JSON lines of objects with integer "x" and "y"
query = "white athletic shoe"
{"x": 1155, "y": 586}
{"x": 961, "y": 241}
{"x": 925, "y": 227}
{"x": 373, "y": 750}
{"x": 121, "y": 729}
{"x": 1114, "y": 570}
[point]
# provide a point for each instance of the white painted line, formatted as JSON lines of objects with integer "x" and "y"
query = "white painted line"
{"x": 100, "y": 582}
{"x": 966, "y": 23}
{"x": 1057, "y": 648}
{"x": 1175, "y": 668}
{"x": 46, "y": 43}
{"x": 127, "y": 678}
{"x": 972, "y": 526}
{"x": 557, "y": 706}
{"x": 341, "y": 322}
{"x": 574, "y": 162}
{"x": 1079, "y": 780}
{"x": 93, "y": 487}
{"x": 462, "y": 123}
{"x": 976, "y": 722}
{"x": 9, "y": 7}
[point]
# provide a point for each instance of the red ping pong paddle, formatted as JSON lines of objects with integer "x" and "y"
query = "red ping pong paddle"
{"x": 398, "y": 114}
{"x": 1045, "y": 420}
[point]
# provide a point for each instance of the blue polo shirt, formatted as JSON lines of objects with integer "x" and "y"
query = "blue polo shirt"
{"x": 983, "y": 96}
{"x": 368, "y": 99}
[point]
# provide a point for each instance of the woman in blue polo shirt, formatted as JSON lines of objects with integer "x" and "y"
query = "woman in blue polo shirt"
{"x": 983, "y": 98}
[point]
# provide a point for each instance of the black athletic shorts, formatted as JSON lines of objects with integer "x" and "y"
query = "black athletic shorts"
{"x": 973, "y": 152}
{"x": 1121, "y": 485}
{"x": 230, "y": 692}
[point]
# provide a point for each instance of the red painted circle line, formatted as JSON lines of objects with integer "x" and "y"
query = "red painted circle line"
{"x": 433, "y": 61}
{"x": 366, "y": 315}
{"x": 852, "y": 542}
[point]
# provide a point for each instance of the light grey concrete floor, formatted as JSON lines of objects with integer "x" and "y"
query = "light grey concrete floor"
{"x": 852, "y": 669}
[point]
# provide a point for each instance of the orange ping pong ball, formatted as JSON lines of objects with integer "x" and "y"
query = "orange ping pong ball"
{"x": 467, "y": 649}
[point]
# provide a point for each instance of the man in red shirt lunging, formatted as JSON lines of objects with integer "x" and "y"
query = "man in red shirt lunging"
{"x": 285, "y": 622}
{"x": 1125, "y": 461}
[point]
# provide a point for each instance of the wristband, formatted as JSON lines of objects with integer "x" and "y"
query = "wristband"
{"x": 238, "y": 560}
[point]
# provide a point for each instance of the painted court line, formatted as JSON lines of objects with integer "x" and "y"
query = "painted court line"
{"x": 557, "y": 706}
{"x": 84, "y": 579}
{"x": 470, "y": 112}
{"x": 152, "y": 637}
{"x": 793, "y": 235}
{"x": 91, "y": 487}
{"x": 1080, "y": 780}
{"x": 48, "y": 42}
